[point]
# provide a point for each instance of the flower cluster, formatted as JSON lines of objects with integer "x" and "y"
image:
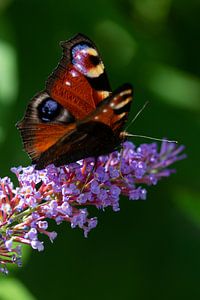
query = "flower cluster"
{"x": 65, "y": 193}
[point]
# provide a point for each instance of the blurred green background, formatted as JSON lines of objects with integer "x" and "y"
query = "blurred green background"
{"x": 150, "y": 249}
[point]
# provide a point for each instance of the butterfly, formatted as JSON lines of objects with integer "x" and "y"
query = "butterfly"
{"x": 77, "y": 115}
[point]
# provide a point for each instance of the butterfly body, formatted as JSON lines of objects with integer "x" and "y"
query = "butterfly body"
{"x": 77, "y": 115}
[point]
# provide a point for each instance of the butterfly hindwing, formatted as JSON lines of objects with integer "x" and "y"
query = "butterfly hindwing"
{"x": 87, "y": 140}
{"x": 39, "y": 130}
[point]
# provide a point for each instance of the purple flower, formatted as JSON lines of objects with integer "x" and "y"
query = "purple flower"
{"x": 35, "y": 244}
{"x": 138, "y": 193}
{"x": 65, "y": 194}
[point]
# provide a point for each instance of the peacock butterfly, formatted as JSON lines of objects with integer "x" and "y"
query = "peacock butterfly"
{"x": 77, "y": 115}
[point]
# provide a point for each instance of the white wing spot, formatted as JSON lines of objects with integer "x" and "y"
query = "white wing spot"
{"x": 96, "y": 118}
{"x": 126, "y": 92}
{"x": 68, "y": 83}
{"x": 73, "y": 73}
{"x": 123, "y": 103}
{"x": 105, "y": 110}
{"x": 121, "y": 115}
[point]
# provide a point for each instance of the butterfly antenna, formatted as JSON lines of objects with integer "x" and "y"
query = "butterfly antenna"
{"x": 137, "y": 115}
{"x": 150, "y": 138}
{"x": 144, "y": 136}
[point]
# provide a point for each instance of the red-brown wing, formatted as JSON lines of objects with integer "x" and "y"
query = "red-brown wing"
{"x": 79, "y": 82}
{"x": 38, "y": 135}
{"x": 113, "y": 111}
{"x": 40, "y": 138}
{"x": 90, "y": 139}
{"x": 75, "y": 87}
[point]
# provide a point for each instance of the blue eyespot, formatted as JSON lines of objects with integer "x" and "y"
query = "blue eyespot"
{"x": 80, "y": 47}
{"x": 48, "y": 110}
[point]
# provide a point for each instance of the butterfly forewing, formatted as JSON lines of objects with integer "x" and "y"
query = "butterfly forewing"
{"x": 79, "y": 82}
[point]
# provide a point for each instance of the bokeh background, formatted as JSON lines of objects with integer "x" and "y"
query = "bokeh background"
{"x": 150, "y": 249}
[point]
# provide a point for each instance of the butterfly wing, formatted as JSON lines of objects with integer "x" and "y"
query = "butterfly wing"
{"x": 79, "y": 82}
{"x": 73, "y": 91}
{"x": 99, "y": 133}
